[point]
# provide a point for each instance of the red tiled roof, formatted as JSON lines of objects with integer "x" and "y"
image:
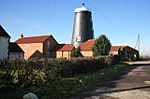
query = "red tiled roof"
{"x": 33, "y": 39}
{"x": 116, "y": 48}
{"x": 87, "y": 46}
{"x": 64, "y": 47}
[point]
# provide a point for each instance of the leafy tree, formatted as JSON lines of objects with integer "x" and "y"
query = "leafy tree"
{"x": 102, "y": 46}
{"x": 76, "y": 53}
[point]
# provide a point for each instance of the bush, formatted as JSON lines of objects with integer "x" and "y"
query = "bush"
{"x": 76, "y": 53}
{"x": 21, "y": 73}
{"x": 102, "y": 46}
{"x": 116, "y": 59}
{"x": 67, "y": 87}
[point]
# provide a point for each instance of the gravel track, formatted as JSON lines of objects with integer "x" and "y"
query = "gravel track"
{"x": 134, "y": 84}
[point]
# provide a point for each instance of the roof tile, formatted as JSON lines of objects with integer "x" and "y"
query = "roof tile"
{"x": 116, "y": 48}
{"x": 64, "y": 47}
{"x": 33, "y": 39}
{"x": 87, "y": 46}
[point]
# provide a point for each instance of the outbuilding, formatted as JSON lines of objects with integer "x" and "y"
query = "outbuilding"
{"x": 4, "y": 44}
{"x": 15, "y": 51}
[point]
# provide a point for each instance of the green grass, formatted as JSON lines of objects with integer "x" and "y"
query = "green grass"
{"x": 68, "y": 86}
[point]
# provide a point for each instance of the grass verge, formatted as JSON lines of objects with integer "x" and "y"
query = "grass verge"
{"x": 67, "y": 86}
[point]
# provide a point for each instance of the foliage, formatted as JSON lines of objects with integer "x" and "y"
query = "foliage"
{"x": 116, "y": 59}
{"x": 102, "y": 46}
{"x": 76, "y": 53}
{"x": 24, "y": 73}
{"x": 67, "y": 87}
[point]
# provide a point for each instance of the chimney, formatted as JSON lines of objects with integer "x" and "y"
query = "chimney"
{"x": 21, "y": 36}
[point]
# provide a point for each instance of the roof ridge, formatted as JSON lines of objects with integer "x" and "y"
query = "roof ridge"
{"x": 120, "y": 45}
{"x": 63, "y": 47}
{"x": 34, "y": 39}
{"x": 36, "y": 36}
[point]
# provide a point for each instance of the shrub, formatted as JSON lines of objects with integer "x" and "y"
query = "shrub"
{"x": 116, "y": 59}
{"x": 102, "y": 46}
{"x": 21, "y": 73}
{"x": 76, "y": 53}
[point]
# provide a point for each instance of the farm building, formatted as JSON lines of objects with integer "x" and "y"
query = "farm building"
{"x": 4, "y": 43}
{"x": 37, "y": 46}
{"x": 15, "y": 51}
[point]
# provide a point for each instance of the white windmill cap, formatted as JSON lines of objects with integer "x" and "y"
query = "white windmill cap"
{"x": 82, "y": 8}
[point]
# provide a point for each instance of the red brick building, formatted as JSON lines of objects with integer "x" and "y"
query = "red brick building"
{"x": 86, "y": 48}
{"x": 37, "y": 46}
{"x": 47, "y": 47}
{"x": 62, "y": 51}
{"x": 127, "y": 52}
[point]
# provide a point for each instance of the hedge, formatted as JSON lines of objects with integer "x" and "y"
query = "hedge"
{"x": 23, "y": 73}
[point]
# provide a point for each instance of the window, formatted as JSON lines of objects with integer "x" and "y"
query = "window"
{"x": 48, "y": 54}
{"x": 48, "y": 44}
{"x": 78, "y": 38}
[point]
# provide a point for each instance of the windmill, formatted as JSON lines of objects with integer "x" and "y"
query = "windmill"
{"x": 83, "y": 26}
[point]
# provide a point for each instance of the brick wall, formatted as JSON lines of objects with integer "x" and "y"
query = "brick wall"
{"x": 39, "y": 50}
{"x": 30, "y": 48}
{"x": 87, "y": 53}
{"x": 63, "y": 54}
{"x": 67, "y": 54}
{"x": 47, "y": 47}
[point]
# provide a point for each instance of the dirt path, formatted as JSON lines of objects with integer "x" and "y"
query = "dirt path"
{"x": 134, "y": 84}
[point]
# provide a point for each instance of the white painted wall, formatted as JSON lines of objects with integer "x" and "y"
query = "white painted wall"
{"x": 14, "y": 55}
{"x": 4, "y": 43}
